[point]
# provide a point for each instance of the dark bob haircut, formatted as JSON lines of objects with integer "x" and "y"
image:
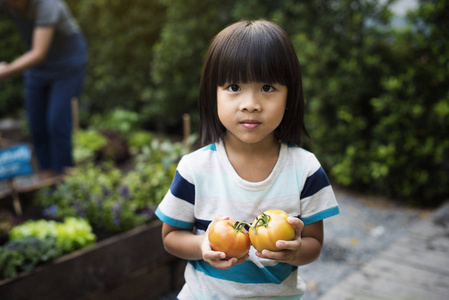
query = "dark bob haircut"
{"x": 252, "y": 51}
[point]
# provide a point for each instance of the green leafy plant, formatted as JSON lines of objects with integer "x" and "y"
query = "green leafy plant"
{"x": 86, "y": 144}
{"x": 138, "y": 140}
{"x": 119, "y": 120}
{"x": 71, "y": 235}
{"x": 112, "y": 200}
{"x": 25, "y": 254}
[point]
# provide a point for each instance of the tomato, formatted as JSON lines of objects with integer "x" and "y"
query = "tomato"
{"x": 229, "y": 237}
{"x": 270, "y": 227}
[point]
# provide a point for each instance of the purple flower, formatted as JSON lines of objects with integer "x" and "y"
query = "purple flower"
{"x": 79, "y": 210}
{"x": 105, "y": 191}
{"x": 97, "y": 200}
{"x": 124, "y": 192}
{"x": 147, "y": 212}
{"x": 116, "y": 212}
{"x": 50, "y": 211}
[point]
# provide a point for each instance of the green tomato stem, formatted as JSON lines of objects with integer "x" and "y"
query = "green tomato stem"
{"x": 261, "y": 220}
{"x": 239, "y": 226}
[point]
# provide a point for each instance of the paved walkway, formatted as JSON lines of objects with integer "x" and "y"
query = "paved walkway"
{"x": 415, "y": 267}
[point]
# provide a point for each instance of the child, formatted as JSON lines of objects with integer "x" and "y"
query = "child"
{"x": 251, "y": 109}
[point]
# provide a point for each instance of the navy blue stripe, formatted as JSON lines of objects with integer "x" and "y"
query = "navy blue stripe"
{"x": 182, "y": 189}
{"x": 314, "y": 183}
{"x": 202, "y": 224}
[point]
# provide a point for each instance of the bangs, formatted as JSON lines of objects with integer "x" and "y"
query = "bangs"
{"x": 252, "y": 53}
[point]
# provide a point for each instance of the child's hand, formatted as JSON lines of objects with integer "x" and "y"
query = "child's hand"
{"x": 290, "y": 248}
{"x": 217, "y": 259}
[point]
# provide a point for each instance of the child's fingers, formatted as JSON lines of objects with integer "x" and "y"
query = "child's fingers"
{"x": 299, "y": 225}
{"x": 289, "y": 245}
{"x": 218, "y": 260}
{"x": 214, "y": 255}
{"x": 224, "y": 263}
{"x": 221, "y": 263}
{"x": 282, "y": 256}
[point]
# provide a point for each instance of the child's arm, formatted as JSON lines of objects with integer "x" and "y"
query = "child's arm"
{"x": 305, "y": 247}
{"x": 186, "y": 245}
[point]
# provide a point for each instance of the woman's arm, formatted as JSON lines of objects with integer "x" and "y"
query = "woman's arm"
{"x": 303, "y": 249}
{"x": 42, "y": 37}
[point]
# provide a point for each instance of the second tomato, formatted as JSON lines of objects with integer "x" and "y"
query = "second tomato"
{"x": 270, "y": 227}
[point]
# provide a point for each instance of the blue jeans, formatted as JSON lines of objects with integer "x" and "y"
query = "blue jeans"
{"x": 48, "y": 106}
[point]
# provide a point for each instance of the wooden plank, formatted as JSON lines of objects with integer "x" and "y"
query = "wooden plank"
{"x": 147, "y": 283}
{"x": 86, "y": 270}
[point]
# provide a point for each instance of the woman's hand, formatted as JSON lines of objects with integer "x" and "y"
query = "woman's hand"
{"x": 217, "y": 259}
{"x": 290, "y": 248}
{"x": 41, "y": 42}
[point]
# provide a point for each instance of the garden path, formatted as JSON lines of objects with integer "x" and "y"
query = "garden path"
{"x": 416, "y": 266}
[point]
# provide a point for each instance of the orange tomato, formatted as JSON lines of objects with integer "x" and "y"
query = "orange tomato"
{"x": 270, "y": 227}
{"x": 229, "y": 237}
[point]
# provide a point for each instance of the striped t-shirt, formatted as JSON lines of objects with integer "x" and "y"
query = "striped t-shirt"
{"x": 206, "y": 185}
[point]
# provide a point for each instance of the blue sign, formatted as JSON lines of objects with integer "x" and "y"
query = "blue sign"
{"x": 15, "y": 161}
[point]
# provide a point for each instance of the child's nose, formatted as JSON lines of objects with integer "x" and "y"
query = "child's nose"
{"x": 250, "y": 102}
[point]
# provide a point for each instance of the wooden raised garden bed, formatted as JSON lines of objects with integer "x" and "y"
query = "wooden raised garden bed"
{"x": 131, "y": 265}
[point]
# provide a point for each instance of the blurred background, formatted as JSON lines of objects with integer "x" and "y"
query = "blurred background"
{"x": 375, "y": 78}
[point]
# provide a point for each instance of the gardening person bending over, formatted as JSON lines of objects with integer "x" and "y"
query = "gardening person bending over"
{"x": 54, "y": 68}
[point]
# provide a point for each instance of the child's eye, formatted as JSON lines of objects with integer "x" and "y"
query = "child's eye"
{"x": 233, "y": 88}
{"x": 267, "y": 88}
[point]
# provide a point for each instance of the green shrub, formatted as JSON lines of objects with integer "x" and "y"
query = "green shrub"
{"x": 11, "y": 91}
{"x": 377, "y": 104}
{"x": 119, "y": 64}
{"x": 110, "y": 199}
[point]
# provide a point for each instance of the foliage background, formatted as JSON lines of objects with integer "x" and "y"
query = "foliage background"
{"x": 377, "y": 95}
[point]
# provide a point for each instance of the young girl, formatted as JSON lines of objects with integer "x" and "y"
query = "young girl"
{"x": 251, "y": 108}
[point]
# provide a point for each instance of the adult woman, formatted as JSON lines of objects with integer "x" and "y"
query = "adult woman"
{"x": 54, "y": 68}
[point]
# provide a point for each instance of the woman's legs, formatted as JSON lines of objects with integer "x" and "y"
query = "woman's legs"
{"x": 59, "y": 119}
{"x": 48, "y": 105}
{"x": 36, "y": 102}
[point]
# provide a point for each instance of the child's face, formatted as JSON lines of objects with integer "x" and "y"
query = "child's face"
{"x": 251, "y": 111}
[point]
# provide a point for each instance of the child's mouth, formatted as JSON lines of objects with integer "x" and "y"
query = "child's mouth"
{"x": 250, "y": 124}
